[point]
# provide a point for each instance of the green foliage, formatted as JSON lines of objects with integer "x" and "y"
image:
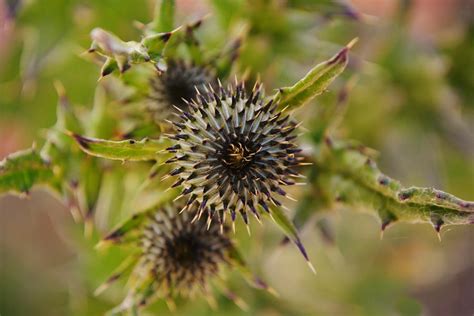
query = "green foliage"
{"x": 410, "y": 95}
{"x": 315, "y": 82}
{"x": 132, "y": 150}
{"x": 20, "y": 171}
{"x": 347, "y": 174}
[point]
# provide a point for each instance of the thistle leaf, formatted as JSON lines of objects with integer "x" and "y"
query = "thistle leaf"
{"x": 107, "y": 44}
{"x": 131, "y": 150}
{"x": 350, "y": 176}
{"x": 285, "y": 224}
{"x": 21, "y": 170}
{"x": 109, "y": 66}
{"x": 123, "y": 269}
{"x": 127, "y": 231}
{"x": 156, "y": 42}
{"x": 315, "y": 82}
{"x": 66, "y": 116}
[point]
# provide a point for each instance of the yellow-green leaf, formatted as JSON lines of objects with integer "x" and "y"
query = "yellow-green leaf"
{"x": 130, "y": 149}
{"x": 315, "y": 82}
{"x": 23, "y": 169}
{"x": 287, "y": 226}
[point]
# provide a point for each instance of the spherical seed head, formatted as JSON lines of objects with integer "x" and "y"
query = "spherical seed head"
{"x": 178, "y": 83}
{"x": 181, "y": 252}
{"x": 233, "y": 152}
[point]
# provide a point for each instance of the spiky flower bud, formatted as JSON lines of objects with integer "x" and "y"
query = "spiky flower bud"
{"x": 179, "y": 82}
{"x": 182, "y": 255}
{"x": 234, "y": 152}
{"x": 179, "y": 256}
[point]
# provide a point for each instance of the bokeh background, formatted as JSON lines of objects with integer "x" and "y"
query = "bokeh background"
{"x": 413, "y": 101}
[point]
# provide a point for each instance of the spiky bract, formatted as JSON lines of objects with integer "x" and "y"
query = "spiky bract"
{"x": 234, "y": 151}
{"x": 179, "y": 82}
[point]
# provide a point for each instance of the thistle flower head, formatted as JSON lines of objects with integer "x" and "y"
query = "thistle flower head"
{"x": 179, "y": 82}
{"x": 177, "y": 257}
{"x": 234, "y": 151}
{"x": 182, "y": 256}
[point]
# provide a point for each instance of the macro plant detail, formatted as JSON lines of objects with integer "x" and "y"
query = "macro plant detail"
{"x": 176, "y": 85}
{"x": 198, "y": 127}
{"x": 177, "y": 257}
{"x": 233, "y": 153}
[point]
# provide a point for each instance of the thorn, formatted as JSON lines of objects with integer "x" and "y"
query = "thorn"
{"x": 88, "y": 226}
{"x": 100, "y": 289}
{"x": 195, "y": 218}
{"x": 312, "y": 267}
{"x": 103, "y": 244}
{"x": 178, "y": 109}
{"x": 352, "y": 42}
{"x": 139, "y": 25}
{"x": 183, "y": 209}
{"x": 60, "y": 90}
{"x": 305, "y": 255}
{"x": 285, "y": 108}
{"x": 384, "y": 225}
{"x": 209, "y": 221}
{"x": 437, "y": 224}
{"x": 272, "y": 291}
{"x": 272, "y": 218}
{"x": 178, "y": 197}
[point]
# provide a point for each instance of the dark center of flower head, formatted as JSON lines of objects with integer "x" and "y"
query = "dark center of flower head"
{"x": 177, "y": 85}
{"x": 234, "y": 152}
{"x": 185, "y": 249}
{"x": 180, "y": 86}
{"x": 237, "y": 156}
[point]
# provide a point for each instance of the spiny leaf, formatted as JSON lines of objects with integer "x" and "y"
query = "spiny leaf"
{"x": 109, "y": 66}
{"x": 109, "y": 45}
{"x": 349, "y": 176}
{"x": 124, "y": 268}
{"x": 66, "y": 117}
{"x": 21, "y": 170}
{"x": 156, "y": 42}
{"x": 315, "y": 82}
{"x": 285, "y": 224}
{"x": 120, "y": 54}
{"x": 132, "y": 150}
{"x": 126, "y": 227}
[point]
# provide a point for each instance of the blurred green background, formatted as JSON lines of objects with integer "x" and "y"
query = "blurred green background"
{"x": 413, "y": 101}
